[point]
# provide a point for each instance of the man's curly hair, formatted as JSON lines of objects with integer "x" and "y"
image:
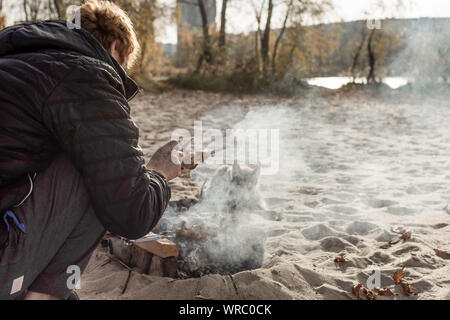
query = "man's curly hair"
{"x": 107, "y": 22}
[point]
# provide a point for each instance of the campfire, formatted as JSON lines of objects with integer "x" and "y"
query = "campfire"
{"x": 214, "y": 235}
{"x": 192, "y": 251}
{"x": 228, "y": 249}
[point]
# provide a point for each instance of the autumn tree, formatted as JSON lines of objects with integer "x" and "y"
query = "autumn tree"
{"x": 2, "y": 16}
{"x": 207, "y": 53}
{"x": 280, "y": 35}
{"x": 58, "y": 8}
{"x": 374, "y": 49}
{"x": 143, "y": 14}
{"x": 358, "y": 51}
{"x": 32, "y": 9}
{"x": 294, "y": 16}
{"x": 379, "y": 41}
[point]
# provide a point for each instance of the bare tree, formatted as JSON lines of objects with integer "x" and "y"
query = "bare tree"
{"x": 31, "y": 9}
{"x": 293, "y": 21}
{"x": 223, "y": 22}
{"x": 58, "y": 6}
{"x": 358, "y": 51}
{"x": 280, "y": 36}
{"x": 371, "y": 57}
{"x": 206, "y": 54}
{"x": 265, "y": 40}
{"x": 258, "y": 33}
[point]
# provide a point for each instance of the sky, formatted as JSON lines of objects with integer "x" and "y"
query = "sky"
{"x": 241, "y": 17}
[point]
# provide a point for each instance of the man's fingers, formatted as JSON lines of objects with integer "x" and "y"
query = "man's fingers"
{"x": 176, "y": 157}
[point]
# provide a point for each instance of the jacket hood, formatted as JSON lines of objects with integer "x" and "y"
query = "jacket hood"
{"x": 55, "y": 34}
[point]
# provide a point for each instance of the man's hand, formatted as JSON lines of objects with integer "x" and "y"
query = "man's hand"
{"x": 167, "y": 161}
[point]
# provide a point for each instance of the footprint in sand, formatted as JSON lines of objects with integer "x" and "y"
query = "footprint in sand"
{"x": 379, "y": 203}
{"x": 384, "y": 236}
{"x": 406, "y": 249}
{"x": 440, "y": 225}
{"x": 401, "y": 211}
{"x": 343, "y": 210}
{"x": 319, "y": 231}
{"x": 380, "y": 258}
{"x": 309, "y": 191}
{"x": 421, "y": 261}
{"x": 361, "y": 227}
{"x": 423, "y": 188}
{"x": 334, "y": 244}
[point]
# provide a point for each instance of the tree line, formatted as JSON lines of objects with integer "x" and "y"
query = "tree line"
{"x": 281, "y": 48}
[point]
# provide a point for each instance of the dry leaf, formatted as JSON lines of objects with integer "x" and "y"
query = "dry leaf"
{"x": 340, "y": 260}
{"x": 356, "y": 289}
{"x": 385, "y": 246}
{"x": 370, "y": 295}
{"x": 395, "y": 241}
{"x": 384, "y": 292}
{"x": 408, "y": 289}
{"x": 442, "y": 254}
{"x": 406, "y": 236}
{"x": 398, "y": 275}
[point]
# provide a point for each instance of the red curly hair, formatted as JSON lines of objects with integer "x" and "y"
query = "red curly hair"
{"x": 108, "y": 22}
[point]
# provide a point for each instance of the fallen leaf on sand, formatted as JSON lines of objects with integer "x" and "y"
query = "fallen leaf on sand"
{"x": 398, "y": 275}
{"x": 408, "y": 289}
{"x": 340, "y": 260}
{"x": 442, "y": 254}
{"x": 356, "y": 289}
{"x": 370, "y": 295}
{"x": 395, "y": 241}
{"x": 384, "y": 292}
{"x": 406, "y": 236}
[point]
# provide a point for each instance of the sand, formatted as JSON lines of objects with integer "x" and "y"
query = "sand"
{"x": 353, "y": 167}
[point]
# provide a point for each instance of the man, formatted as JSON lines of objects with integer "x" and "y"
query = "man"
{"x": 70, "y": 165}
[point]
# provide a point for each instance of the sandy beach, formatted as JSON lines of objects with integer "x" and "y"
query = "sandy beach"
{"x": 353, "y": 168}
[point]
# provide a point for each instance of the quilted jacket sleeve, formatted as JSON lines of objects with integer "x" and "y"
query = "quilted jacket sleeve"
{"x": 88, "y": 115}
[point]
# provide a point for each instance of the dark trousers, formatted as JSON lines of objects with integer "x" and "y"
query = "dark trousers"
{"x": 62, "y": 231}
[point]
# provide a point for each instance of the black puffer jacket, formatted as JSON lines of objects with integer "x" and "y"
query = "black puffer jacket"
{"x": 61, "y": 91}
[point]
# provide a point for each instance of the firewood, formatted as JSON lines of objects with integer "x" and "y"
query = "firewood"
{"x": 163, "y": 248}
{"x": 156, "y": 267}
{"x": 140, "y": 258}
